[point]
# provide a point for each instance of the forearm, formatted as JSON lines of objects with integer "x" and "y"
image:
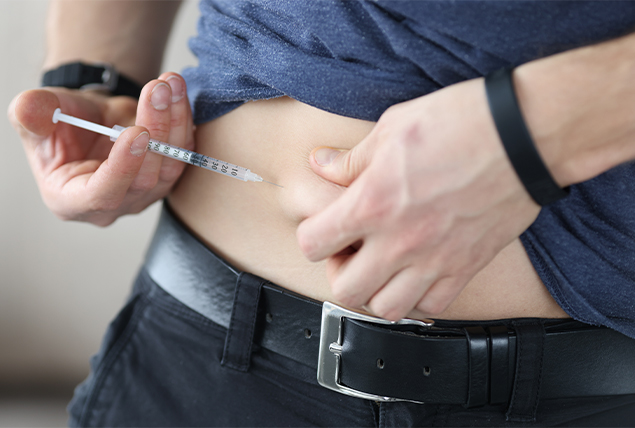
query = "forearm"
{"x": 131, "y": 35}
{"x": 580, "y": 108}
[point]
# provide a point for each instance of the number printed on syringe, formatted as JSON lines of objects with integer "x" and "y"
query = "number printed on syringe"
{"x": 206, "y": 162}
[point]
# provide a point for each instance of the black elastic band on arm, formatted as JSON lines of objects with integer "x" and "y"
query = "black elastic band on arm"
{"x": 517, "y": 141}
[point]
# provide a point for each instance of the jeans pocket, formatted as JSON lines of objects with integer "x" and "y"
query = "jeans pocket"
{"x": 117, "y": 335}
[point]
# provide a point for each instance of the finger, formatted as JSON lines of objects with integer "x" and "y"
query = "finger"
{"x": 329, "y": 231}
{"x": 181, "y": 134}
{"x": 181, "y": 114}
{"x": 153, "y": 113}
{"x": 361, "y": 275}
{"x": 400, "y": 295}
{"x": 339, "y": 166}
{"x": 441, "y": 294}
{"x": 108, "y": 186}
{"x": 344, "y": 166}
{"x": 48, "y": 145}
{"x": 31, "y": 113}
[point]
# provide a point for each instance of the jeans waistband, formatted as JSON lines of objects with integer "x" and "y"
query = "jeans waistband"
{"x": 461, "y": 362}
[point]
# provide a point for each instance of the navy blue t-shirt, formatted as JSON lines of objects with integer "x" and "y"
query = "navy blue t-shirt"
{"x": 357, "y": 58}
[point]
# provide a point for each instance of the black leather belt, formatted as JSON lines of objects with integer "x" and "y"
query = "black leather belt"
{"x": 470, "y": 363}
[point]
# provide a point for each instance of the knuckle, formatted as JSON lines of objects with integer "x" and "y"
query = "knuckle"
{"x": 57, "y": 206}
{"x": 372, "y": 207}
{"x": 407, "y": 243}
{"x": 139, "y": 207}
{"x": 160, "y": 129}
{"x": 178, "y": 117}
{"x": 62, "y": 215}
{"x": 98, "y": 211}
{"x": 99, "y": 205}
{"x": 352, "y": 166}
{"x": 103, "y": 221}
{"x": 410, "y": 139}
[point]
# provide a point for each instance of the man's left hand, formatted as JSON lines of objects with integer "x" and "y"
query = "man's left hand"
{"x": 431, "y": 199}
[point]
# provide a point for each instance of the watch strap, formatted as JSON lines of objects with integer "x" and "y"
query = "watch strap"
{"x": 78, "y": 75}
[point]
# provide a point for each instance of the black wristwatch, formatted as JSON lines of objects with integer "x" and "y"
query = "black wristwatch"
{"x": 78, "y": 75}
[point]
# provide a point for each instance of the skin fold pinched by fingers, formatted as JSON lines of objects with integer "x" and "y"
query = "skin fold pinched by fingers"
{"x": 442, "y": 199}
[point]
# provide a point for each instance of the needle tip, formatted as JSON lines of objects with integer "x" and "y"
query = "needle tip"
{"x": 282, "y": 187}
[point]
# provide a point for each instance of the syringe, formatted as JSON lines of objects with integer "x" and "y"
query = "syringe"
{"x": 168, "y": 150}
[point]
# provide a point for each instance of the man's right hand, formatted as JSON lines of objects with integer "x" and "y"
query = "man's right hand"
{"x": 83, "y": 175}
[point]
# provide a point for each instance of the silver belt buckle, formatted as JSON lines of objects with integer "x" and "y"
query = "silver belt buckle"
{"x": 328, "y": 371}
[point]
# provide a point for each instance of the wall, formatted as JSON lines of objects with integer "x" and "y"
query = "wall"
{"x": 60, "y": 282}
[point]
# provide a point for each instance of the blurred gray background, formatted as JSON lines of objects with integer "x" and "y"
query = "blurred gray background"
{"x": 60, "y": 282}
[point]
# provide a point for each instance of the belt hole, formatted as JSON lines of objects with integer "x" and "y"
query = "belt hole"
{"x": 307, "y": 333}
{"x": 269, "y": 317}
{"x": 426, "y": 371}
{"x": 380, "y": 363}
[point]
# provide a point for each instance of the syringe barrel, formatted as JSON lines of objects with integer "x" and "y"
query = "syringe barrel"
{"x": 197, "y": 159}
{"x": 165, "y": 149}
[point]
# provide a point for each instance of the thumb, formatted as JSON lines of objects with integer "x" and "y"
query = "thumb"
{"x": 339, "y": 165}
{"x": 31, "y": 111}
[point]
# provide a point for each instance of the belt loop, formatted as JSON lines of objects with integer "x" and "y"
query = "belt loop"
{"x": 240, "y": 334}
{"x": 530, "y": 341}
{"x": 499, "y": 364}
{"x": 478, "y": 388}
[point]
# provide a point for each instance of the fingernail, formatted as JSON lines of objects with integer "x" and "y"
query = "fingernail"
{"x": 140, "y": 144}
{"x": 325, "y": 156}
{"x": 160, "y": 97}
{"x": 178, "y": 89}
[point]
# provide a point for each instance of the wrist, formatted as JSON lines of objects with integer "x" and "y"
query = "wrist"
{"x": 517, "y": 141}
{"x": 99, "y": 76}
{"x": 131, "y": 35}
{"x": 579, "y": 107}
